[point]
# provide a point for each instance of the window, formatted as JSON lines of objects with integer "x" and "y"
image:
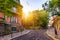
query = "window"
{"x": 19, "y": 1}
{"x": 14, "y": 9}
{"x": 13, "y": 19}
{"x": 5, "y": 19}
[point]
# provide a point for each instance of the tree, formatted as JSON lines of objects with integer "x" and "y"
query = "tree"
{"x": 54, "y": 8}
{"x": 41, "y": 18}
{"x": 38, "y": 19}
{"x": 6, "y": 6}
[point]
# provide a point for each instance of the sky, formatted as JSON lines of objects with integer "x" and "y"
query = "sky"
{"x": 30, "y": 5}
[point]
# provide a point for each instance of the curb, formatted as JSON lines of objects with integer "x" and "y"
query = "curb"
{"x": 51, "y": 36}
{"x": 8, "y": 37}
{"x": 22, "y": 33}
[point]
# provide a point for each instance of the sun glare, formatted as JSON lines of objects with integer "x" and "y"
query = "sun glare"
{"x": 26, "y": 14}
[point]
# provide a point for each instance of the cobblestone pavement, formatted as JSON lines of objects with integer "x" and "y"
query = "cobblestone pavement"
{"x": 34, "y": 35}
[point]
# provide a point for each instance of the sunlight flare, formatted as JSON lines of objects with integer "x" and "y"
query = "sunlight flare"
{"x": 26, "y": 14}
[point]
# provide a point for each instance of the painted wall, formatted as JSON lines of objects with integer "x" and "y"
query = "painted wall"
{"x": 1, "y": 15}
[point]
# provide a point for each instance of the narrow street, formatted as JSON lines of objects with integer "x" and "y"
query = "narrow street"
{"x": 34, "y": 35}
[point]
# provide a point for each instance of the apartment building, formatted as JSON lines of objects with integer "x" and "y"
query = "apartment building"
{"x": 14, "y": 22}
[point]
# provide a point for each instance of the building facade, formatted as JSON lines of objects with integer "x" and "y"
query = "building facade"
{"x": 16, "y": 19}
{"x": 57, "y": 23}
{"x": 14, "y": 22}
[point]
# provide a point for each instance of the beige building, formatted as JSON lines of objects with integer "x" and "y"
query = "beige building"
{"x": 57, "y": 23}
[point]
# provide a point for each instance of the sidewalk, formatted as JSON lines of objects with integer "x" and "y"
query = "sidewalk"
{"x": 50, "y": 32}
{"x": 11, "y": 36}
